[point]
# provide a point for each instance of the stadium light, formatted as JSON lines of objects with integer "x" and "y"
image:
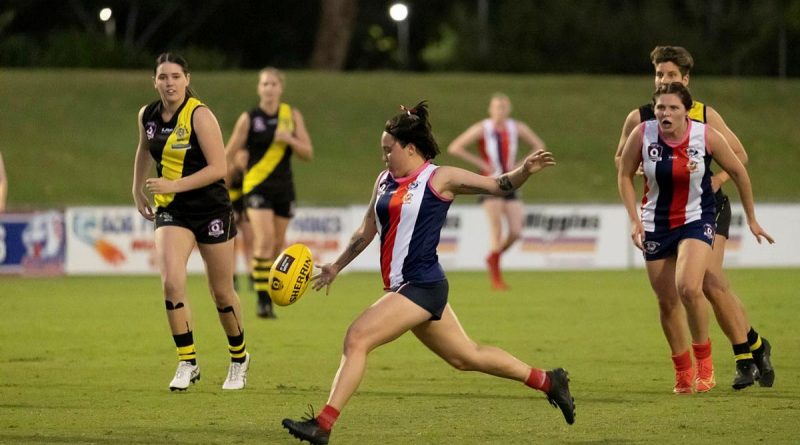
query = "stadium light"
{"x": 399, "y": 13}
{"x": 106, "y": 16}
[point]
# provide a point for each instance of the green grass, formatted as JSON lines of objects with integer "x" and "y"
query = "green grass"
{"x": 87, "y": 360}
{"x": 69, "y": 135}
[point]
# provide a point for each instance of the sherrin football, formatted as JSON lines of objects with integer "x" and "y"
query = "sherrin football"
{"x": 290, "y": 274}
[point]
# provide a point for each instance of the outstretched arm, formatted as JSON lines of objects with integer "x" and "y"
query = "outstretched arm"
{"x": 451, "y": 181}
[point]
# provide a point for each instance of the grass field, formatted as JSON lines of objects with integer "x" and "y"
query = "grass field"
{"x": 87, "y": 360}
{"x": 69, "y": 136}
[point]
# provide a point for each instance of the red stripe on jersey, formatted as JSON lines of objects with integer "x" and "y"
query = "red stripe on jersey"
{"x": 502, "y": 142}
{"x": 484, "y": 155}
{"x": 395, "y": 208}
{"x": 680, "y": 185}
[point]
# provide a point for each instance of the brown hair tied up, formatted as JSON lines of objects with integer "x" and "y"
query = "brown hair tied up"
{"x": 412, "y": 127}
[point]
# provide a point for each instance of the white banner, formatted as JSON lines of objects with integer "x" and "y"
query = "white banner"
{"x": 117, "y": 240}
{"x": 113, "y": 240}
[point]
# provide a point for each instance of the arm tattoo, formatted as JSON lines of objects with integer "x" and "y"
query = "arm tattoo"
{"x": 357, "y": 244}
{"x": 504, "y": 183}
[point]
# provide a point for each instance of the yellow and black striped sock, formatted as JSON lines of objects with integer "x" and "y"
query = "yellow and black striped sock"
{"x": 236, "y": 347}
{"x": 185, "y": 345}
{"x": 741, "y": 352}
{"x": 261, "y": 268}
{"x": 754, "y": 341}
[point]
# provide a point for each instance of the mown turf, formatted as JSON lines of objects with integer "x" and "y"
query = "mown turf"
{"x": 69, "y": 135}
{"x": 87, "y": 360}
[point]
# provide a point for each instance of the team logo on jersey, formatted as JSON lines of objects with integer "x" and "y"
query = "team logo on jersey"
{"x": 654, "y": 151}
{"x": 258, "y": 124}
{"x": 693, "y": 152}
{"x": 413, "y": 185}
{"x": 165, "y": 217}
{"x": 708, "y": 231}
{"x": 382, "y": 188}
{"x": 182, "y": 134}
{"x": 150, "y": 130}
{"x": 216, "y": 228}
{"x": 651, "y": 246}
{"x": 407, "y": 198}
{"x": 692, "y": 166}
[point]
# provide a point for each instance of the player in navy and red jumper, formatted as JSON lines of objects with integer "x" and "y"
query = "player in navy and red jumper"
{"x": 752, "y": 352}
{"x": 407, "y": 210}
{"x": 676, "y": 227}
{"x": 497, "y": 139}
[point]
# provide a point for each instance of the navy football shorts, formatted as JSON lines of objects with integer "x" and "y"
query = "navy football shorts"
{"x": 429, "y": 296}
{"x": 660, "y": 245}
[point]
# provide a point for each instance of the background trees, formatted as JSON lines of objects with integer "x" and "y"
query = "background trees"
{"x": 735, "y": 37}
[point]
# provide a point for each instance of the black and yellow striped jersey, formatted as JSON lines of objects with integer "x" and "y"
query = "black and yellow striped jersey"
{"x": 177, "y": 153}
{"x": 697, "y": 113}
{"x": 269, "y": 164}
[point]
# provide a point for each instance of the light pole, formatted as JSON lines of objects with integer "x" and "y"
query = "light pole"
{"x": 107, "y": 17}
{"x": 399, "y": 13}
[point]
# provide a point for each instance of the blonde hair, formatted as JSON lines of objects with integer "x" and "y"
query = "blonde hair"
{"x": 275, "y": 72}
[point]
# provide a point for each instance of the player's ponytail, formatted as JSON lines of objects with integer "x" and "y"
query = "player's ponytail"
{"x": 412, "y": 126}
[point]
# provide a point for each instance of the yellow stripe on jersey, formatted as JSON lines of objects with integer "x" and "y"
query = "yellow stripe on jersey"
{"x": 235, "y": 194}
{"x": 175, "y": 149}
{"x": 698, "y": 112}
{"x": 264, "y": 167}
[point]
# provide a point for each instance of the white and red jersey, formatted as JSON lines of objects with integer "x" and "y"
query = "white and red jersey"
{"x": 677, "y": 178}
{"x": 498, "y": 146}
{"x": 410, "y": 215}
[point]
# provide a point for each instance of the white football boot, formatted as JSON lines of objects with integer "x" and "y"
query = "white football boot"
{"x": 237, "y": 374}
{"x": 185, "y": 375}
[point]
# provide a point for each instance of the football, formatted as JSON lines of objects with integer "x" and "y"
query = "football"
{"x": 290, "y": 274}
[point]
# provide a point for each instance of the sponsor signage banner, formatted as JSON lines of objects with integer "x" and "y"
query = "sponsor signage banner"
{"x": 32, "y": 243}
{"x": 116, "y": 240}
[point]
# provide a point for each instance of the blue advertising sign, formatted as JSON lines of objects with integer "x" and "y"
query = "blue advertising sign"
{"x": 32, "y": 243}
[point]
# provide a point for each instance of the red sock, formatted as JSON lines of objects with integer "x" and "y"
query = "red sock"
{"x": 327, "y": 417}
{"x": 538, "y": 379}
{"x": 683, "y": 362}
{"x": 702, "y": 351}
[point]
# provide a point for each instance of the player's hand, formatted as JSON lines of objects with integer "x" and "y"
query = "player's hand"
{"x": 758, "y": 232}
{"x": 637, "y": 234}
{"x": 160, "y": 185}
{"x": 143, "y": 206}
{"x": 284, "y": 136}
{"x": 539, "y": 160}
{"x": 326, "y": 276}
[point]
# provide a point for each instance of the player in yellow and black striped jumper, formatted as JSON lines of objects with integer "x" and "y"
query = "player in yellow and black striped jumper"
{"x": 192, "y": 207}
{"x": 270, "y": 133}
